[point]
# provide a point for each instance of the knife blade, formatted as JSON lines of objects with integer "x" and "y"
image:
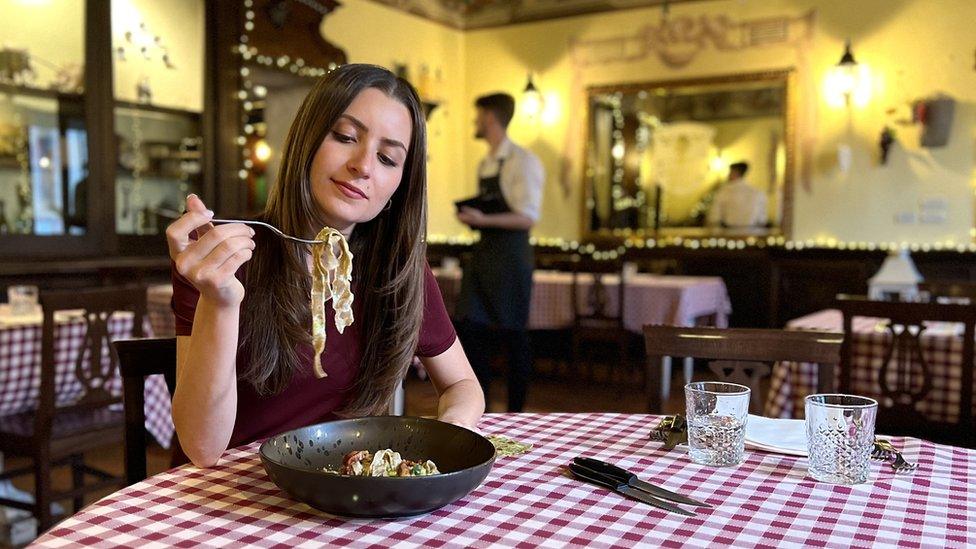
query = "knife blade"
{"x": 595, "y": 477}
{"x": 626, "y": 477}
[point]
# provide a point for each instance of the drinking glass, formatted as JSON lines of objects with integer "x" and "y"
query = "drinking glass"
{"x": 840, "y": 434}
{"x": 22, "y": 299}
{"x": 717, "y": 414}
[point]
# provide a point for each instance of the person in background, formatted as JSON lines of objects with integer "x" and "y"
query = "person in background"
{"x": 354, "y": 160}
{"x": 737, "y": 204}
{"x": 496, "y": 287}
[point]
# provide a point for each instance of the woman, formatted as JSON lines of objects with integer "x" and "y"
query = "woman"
{"x": 354, "y": 160}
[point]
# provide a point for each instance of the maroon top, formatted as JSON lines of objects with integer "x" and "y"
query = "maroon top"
{"x": 308, "y": 400}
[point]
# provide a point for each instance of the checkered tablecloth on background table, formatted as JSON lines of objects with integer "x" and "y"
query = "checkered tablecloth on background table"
{"x": 20, "y": 368}
{"x": 160, "y": 311}
{"x": 791, "y": 382}
{"x": 651, "y": 299}
{"x": 529, "y": 500}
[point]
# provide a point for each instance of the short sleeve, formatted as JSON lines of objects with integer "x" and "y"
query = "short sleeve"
{"x": 523, "y": 182}
{"x": 436, "y": 331}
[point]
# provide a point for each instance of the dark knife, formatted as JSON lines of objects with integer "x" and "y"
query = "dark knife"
{"x": 626, "y": 477}
{"x": 595, "y": 477}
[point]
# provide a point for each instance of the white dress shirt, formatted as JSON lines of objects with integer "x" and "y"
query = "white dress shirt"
{"x": 738, "y": 204}
{"x": 522, "y": 177}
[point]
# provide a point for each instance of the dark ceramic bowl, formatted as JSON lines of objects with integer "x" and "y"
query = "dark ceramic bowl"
{"x": 294, "y": 461}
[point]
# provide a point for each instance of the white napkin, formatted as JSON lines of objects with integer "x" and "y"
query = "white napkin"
{"x": 780, "y": 436}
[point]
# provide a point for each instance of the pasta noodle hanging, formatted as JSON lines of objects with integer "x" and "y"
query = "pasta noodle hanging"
{"x": 332, "y": 276}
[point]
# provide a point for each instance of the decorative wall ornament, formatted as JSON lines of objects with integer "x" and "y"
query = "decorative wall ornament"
{"x": 676, "y": 41}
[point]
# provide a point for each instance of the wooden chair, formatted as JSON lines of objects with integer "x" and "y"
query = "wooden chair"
{"x": 139, "y": 358}
{"x": 593, "y": 320}
{"x": 738, "y": 355}
{"x": 905, "y": 376}
{"x": 57, "y": 434}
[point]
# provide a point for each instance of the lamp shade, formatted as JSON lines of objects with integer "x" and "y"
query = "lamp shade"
{"x": 897, "y": 277}
{"x": 848, "y": 81}
{"x": 531, "y": 98}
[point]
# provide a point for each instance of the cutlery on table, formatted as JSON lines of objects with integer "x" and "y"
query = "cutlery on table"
{"x": 885, "y": 451}
{"x": 595, "y": 477}
{"x": 626, "y": 477}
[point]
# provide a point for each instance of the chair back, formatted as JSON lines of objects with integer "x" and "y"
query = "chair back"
{"x": 737, "y": 355}
{"x": 590, "y": 290}
{"x": 94, "y": 367}
{"x": 139, "y": 358}
{"x": 905, "y": 377}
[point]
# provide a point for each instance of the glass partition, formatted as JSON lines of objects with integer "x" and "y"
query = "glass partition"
{"x": 43, "y": 139}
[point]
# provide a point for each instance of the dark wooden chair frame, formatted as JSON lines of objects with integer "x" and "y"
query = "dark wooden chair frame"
{"x": 94, "y": 426}
{"x": 747, "y": 352}
{"x": 592, "y": 321}
{"x": 139, "y": 358}
{"x": 897, "y": 412}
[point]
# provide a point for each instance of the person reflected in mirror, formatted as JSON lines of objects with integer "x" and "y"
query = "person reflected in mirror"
{"x": 737, "y": 203}
{"x": 354, "y": 160}
{"x": 496, "y": 286}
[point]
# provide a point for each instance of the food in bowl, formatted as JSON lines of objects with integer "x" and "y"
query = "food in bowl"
{"x": 384, "y": 463}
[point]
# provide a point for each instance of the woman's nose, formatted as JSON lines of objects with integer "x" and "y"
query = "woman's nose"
{"x": 359, "y": 164}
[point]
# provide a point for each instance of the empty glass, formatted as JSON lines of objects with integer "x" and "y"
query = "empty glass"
{"x": 22, "y": 299}
{"x": 717, "y": 414}
{"x": 840, "y": 434}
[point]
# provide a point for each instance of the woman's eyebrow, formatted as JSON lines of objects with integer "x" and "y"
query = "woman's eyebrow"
{"x": 363, "y": 128}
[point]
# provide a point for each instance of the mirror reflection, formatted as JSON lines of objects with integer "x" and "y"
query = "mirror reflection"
{"x": 704, "y": 156}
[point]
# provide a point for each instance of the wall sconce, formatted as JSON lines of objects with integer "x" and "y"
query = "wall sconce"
{"x": 531, "y": 99}
{"x": 848, "y": 81}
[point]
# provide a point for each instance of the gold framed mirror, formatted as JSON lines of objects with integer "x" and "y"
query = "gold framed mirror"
{"x": 664, "y": 158}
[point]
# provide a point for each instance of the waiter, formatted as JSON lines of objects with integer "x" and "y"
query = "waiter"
{"x": 493, "y": 308}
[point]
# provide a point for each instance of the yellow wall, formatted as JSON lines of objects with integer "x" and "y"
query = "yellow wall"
{"x": 373, "y": 33}
{"x": 180, "y": 24}
{"x": 913, "y": 48}
{"x": 52, "y": 31}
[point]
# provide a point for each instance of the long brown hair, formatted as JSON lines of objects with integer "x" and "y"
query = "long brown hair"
{"x": 389, "y": 250}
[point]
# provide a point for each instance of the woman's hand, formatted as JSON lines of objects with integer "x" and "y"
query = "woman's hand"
{"x": 211, "y": 261}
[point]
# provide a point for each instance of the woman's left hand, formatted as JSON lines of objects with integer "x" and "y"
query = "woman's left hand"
{"x": 460, "y": 422}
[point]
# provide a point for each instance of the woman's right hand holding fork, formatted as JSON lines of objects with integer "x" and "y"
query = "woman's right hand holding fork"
{"x": 211, "y": 259}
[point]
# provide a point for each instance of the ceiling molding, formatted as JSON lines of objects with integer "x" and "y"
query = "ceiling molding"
{"x": 480, "y": 14}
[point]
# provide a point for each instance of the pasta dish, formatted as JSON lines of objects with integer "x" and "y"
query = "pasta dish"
{"x": 384, "y": 463}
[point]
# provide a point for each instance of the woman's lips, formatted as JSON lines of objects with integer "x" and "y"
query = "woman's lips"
{"x": 350, "y": 190}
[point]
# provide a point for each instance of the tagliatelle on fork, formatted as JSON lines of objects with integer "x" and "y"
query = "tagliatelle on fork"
{"x": 332, "y": 275}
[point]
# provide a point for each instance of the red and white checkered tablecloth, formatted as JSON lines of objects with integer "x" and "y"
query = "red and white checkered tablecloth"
{"x": 651, "y": 299}
{"x": 529, "y": 500}
{"x": 20, "y": 370}
{"x": 160, "y": 311}
{"x": 791, "y": 382}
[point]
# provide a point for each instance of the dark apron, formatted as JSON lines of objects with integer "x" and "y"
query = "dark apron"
{"x": 496, "y": 288}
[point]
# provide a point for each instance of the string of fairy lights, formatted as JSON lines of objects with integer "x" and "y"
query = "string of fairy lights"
{"x": 251, "y": 96}
{"x": 631, "y": 241}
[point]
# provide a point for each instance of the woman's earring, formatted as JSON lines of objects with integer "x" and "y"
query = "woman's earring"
{"x": 389, "y": 204}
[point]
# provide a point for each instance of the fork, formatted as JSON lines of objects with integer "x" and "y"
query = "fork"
{"x": 175, "y": 215}
{"x": 885, "y": 451}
